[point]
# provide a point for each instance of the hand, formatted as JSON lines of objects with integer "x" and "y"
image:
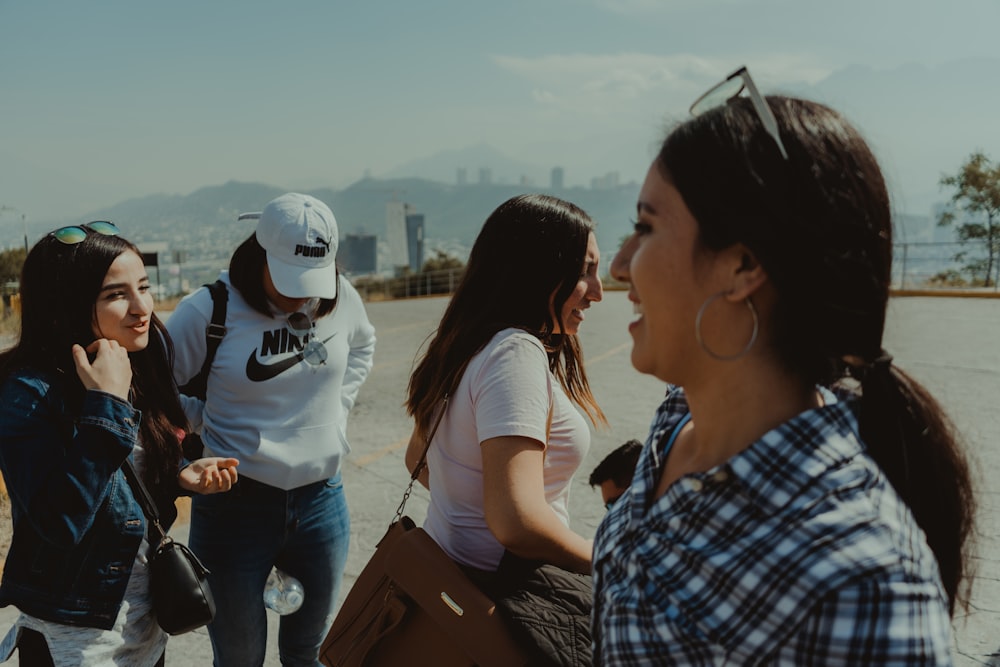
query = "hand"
{"x": 212, "y": 474}
{"x": 109, "y": 371}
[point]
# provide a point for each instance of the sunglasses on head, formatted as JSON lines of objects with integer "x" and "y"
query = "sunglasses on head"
{"x": 74, "y": 234}
{"x": 730, "y": 89}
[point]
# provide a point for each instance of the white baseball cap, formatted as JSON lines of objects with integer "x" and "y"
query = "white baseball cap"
{"x": 299, "y": 235}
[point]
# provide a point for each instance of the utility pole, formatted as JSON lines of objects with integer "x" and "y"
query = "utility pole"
{"x": 23, "y": 222}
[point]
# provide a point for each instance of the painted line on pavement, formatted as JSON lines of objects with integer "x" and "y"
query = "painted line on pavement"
{"x": 610, "y": 353}
{"x": 362, "y": 461}
{"x": 404, "y": 327}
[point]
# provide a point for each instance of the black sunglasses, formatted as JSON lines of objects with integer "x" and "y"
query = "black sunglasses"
{"x": 74, "y": 234}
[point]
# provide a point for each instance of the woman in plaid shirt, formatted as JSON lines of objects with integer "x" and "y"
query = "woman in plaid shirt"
{"x": 800, "y": 499}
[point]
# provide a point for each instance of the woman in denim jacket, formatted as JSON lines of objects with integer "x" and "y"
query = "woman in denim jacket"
{"x": 85, "y": 388}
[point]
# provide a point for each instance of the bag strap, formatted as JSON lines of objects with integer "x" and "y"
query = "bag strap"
{"x": 144, "y": 498}
{"x": 417, "y": 469}
{"x": 216, "y": 329}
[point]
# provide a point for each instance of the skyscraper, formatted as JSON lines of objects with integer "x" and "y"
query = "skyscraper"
{"x": 395, "y": 224}
{"x": 405, "y": 234}
{"x": 415, "y": 240}
{"x": 357, "y": 254}
{"x": 557, "y": 178}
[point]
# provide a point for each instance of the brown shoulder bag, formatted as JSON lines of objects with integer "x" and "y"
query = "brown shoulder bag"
{"x": 413, "y": 605}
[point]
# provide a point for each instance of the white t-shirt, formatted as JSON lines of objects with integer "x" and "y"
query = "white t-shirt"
{"x": 506, "y": 390}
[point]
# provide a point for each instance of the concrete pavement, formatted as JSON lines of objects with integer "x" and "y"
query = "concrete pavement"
{"x": 949, "y": 344}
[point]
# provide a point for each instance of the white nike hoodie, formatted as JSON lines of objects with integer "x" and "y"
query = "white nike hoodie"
{"x": 282, "y": 417}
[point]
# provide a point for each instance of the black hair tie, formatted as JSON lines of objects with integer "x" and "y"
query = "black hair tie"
{"x": 882, "y": 362}
{"x": 861, "y": 370}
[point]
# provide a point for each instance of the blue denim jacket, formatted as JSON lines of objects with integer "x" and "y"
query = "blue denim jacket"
{"x": 77, "y": 525}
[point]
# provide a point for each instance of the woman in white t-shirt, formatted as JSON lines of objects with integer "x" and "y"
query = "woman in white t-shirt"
{"x": 506, "y": 356}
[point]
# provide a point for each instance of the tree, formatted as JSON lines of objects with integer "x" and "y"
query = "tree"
{"x": 441, "y": 261}
{"x": 977, "y": 196}
{"x": 11, "y": 262}
{"x": 438, "y": 275}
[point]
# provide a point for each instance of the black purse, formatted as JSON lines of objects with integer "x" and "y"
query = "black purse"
{"x": 182, "y": 599}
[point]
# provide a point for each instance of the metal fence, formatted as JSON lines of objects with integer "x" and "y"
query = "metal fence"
{"x": 924, "y": 265}
{"x": 918, "y": 265}
{"x": 377, "y": 288}
{"x": 939, "y": 264}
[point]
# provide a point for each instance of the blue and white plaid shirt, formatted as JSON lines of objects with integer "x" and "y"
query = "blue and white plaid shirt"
{"x": 796, "y": 551}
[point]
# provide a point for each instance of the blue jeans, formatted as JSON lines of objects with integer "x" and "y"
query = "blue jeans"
{"x": 241, "y": 534}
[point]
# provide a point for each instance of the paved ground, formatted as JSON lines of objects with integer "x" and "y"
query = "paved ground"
{"x": 949, "y": 344}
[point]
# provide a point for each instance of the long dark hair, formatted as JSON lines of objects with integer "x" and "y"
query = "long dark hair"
{"x": 246, "y": 273}
{"x": 530, "y": 247}
{"x": 60, "y": 284}
{"x": 820, "y": 223}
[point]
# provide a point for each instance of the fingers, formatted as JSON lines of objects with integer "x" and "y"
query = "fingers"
{"x": 80, "y": 359}
{"x": 104, "y": 365}
{"x": 210, "y": 475}
{"x": 223, "y": 475}
{"x": 220, "y": 479}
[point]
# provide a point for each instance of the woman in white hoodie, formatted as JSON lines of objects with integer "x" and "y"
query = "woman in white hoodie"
{"x": 298, "y": 346}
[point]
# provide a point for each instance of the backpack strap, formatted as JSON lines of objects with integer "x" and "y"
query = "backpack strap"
{"x": 197, "y": 386}
{"x": 214, "y": 333}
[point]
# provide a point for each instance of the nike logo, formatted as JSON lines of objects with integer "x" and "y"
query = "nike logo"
{"x": 258, "y": 372}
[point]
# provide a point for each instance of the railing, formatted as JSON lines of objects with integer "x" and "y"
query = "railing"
{"x": 922, "y": 265}
{"x": 377, "y": 288}
{"x": 918, "y": 265}
{"x": 937, "y": 265}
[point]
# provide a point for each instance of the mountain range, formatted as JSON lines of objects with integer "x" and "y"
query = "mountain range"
{"x": 203, "y": 227}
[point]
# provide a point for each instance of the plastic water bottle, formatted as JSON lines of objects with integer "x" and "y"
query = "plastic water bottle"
{"x": 283, "y": 593}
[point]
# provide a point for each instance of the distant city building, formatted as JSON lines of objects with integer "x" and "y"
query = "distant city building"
{"x": 405, "y": 236}
{"x": 357, "y": 254}
{"x": 525, "y": 181}
{"x": 415, "y": 240}
{"x": 607, "y": 182}
{"x": 558, "y": 178}
{"x": 395, "y": 227}
{"x": 485, "y": 175}
{"x": 461, "y": 176}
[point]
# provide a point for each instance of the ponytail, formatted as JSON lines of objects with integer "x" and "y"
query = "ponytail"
{"x": 913, "y": 441}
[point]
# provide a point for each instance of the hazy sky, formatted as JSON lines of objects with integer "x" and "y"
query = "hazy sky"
{"x": 102, "y": 101}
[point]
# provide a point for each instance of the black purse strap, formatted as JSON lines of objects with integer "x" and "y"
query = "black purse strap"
{"x": 417, "y": 469}
{"x": 143, "y": 496}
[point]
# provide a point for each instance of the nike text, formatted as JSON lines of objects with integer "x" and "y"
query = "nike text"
{"x": 280, "y": 341}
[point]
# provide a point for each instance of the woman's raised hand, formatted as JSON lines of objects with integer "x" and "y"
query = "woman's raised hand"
{"x": 104, "y": 365}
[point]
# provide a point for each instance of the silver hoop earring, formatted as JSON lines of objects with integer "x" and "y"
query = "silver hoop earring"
{"x": 701, "y": 341}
